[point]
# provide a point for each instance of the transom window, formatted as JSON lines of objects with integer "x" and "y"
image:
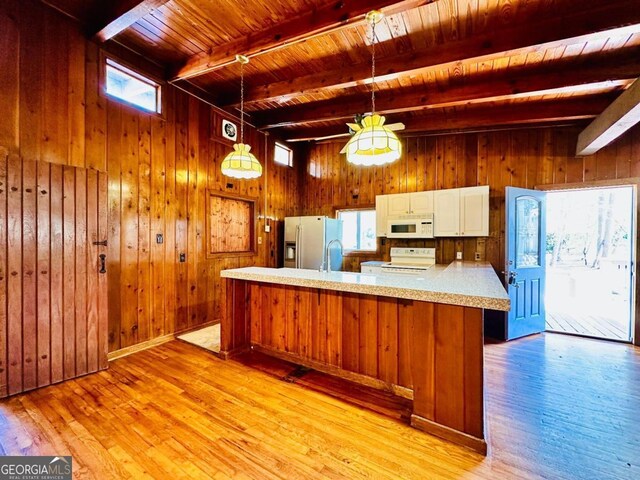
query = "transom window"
{"x": 132, "y": 88}
{"x": 283, "y": 155}
{"x": 358, "y": 229}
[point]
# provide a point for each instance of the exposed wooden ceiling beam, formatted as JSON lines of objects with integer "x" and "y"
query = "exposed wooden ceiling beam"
{"x": 332, "y": 16}
{"x": 597, "y": 20}
{"x": 120, "y": 15}
{"x": 443, "y": 120}
{"x": 595, "y": 72}
{"x": 618, "y": 117}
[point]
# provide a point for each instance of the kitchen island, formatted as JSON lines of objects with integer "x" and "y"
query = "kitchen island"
{"x": 420, "y": 337}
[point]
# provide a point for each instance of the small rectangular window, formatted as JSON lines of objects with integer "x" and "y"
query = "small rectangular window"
{"x": 131, "y": 87}
{"x": 283, "y": 155}
{"x": 358, "y": 230}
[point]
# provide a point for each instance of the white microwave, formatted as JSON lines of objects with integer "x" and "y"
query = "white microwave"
{"x": 410, "y": 226}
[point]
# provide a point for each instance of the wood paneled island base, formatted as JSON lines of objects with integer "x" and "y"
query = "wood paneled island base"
{"x": 429, "y": 352}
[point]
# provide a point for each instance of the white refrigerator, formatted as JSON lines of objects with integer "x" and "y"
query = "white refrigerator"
{"x": 306, "y": 240}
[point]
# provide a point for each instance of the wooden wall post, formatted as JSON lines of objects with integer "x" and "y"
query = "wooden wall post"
{"x": 235, "y": 324}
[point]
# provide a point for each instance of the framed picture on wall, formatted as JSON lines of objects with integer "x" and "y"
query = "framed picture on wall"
{"x": 229, "y": 130}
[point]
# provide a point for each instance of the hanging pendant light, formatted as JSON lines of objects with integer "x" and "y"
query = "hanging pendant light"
{"x": 241, "y": 163}
{"x": 373, "y": 143}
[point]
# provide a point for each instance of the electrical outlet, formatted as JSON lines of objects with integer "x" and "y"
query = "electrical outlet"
{"x": 458, "y": 255}
{"x": 478, "y": 256}
{"x": 183, "y": 257}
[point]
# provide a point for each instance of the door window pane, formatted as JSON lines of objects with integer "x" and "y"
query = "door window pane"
{"x": 527, "y": 232}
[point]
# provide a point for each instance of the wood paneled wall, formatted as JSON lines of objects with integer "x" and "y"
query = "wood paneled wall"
{"x": 159, "y": 170}
{"x": 522, "y": 158}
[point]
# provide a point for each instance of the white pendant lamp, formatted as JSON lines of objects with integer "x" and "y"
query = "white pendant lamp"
{"x": 241, "y": 163}
{"x": 373, "y": 143}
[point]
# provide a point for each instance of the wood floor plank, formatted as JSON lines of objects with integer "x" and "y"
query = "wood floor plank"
{"x": 176, "y": 411}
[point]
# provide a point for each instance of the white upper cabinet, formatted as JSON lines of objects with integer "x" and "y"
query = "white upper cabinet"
{"x": 461, "y": 212}
{"x": 457, "y": 212}
{"x": 415, "y": 203}
{"x": 446, "y": 213}
{"x": 421, "y": 202}
{"x": 399, "y": 204}
{"x": 474, "y": 211}
{"x": 382, "y": 203}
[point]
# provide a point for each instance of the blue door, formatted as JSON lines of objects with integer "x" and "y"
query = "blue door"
{"x": 525, "y": 260}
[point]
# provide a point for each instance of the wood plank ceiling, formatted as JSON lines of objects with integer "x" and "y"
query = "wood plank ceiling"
{"x": 443, "y": 64}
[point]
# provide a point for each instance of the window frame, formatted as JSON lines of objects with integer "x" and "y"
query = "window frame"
{"x": 285, "y": 147}
{"x": 117, "y": 64}
{"x": 359, "y": 253}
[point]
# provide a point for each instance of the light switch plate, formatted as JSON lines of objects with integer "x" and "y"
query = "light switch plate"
{"x": 259, "y": 240}
{"x": 458, "y": 255}
{"x": 267, "y": 228}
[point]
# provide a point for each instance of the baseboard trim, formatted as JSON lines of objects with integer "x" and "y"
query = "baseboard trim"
{"x": 154, "y": 342}
{"x": 476, "y": 444}
{"x": 229, "y": 354}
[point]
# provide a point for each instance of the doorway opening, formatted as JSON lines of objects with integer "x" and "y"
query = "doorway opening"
{"x": 589, "y": 262}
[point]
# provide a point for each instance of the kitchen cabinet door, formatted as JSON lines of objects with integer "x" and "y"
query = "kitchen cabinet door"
{"x": 421, "y": 203}
{"x": 474, "y": 211}
{"x": 381, "y": 215}
{"x": 446, "y": 213}
{"x": 399, "y": 204}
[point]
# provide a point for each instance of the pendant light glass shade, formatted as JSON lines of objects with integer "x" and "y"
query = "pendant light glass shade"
{"x": 373, "y": 144}
{"x": 241, "y": 163}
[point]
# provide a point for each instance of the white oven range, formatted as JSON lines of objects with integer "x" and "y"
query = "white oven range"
{"x": 404, "y": 261}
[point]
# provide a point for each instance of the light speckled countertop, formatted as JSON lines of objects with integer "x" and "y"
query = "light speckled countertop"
{"x": 470, "y": 284}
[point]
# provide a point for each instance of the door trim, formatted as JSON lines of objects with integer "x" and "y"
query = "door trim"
{"x": 634, "y": 183}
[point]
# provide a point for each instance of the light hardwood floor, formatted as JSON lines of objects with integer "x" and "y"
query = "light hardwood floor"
{"x": 558, "y": 408}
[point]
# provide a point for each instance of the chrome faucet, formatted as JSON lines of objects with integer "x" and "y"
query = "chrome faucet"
{"x": 328, "y": 252}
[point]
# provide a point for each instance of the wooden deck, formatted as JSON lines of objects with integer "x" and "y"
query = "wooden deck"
{"x": 177, "y": 411}
{"x": 597, "y": 326}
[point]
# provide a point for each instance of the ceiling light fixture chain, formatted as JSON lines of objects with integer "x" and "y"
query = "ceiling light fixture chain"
{"x": 374, "y": 40}
{"x": 241, "y": 102}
